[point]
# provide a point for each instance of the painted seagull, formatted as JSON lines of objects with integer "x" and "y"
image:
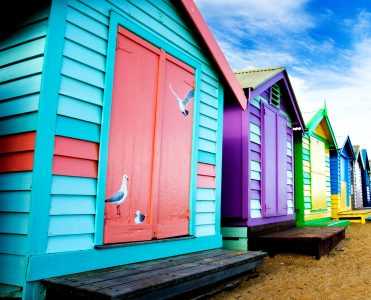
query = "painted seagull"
{"x": 139, "y": 218}
{"x": 119, "y": 197}
{"x": 183, "y": 102}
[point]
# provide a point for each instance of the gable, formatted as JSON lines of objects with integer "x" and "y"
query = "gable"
{"x": 323, "y": 131}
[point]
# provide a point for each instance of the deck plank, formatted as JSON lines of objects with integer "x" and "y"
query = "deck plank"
{"x": 164, "y": 277}
{"x": 316, "y": 241}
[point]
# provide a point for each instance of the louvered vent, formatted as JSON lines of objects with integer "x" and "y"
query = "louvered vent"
{"x": 275, "y": 95}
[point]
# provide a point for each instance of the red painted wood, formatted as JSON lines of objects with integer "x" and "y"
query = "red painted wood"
{"x": 206, "y": 169}
{"x": 175, "y": 154}
{"x": 70, "y": 166}
{"x": 17, "y": 142}
{"x": 76, "y": 148}
{"x": 206, "y": 182}
{"x": 131, "y": 138}
{"x": 215, "y": 51}
{"x": 15, "y": 162}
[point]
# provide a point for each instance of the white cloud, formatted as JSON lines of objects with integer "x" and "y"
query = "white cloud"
{"x": 273, "y": 33}
{"x": 255, "y": 17}
{"x": 347, "y": 94}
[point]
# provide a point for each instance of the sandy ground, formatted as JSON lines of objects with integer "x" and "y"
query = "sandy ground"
{"x": 344, "y": 274}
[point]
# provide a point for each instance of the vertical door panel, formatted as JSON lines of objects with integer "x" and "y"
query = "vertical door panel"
{"x": 359, "y": 195}
{"x": 131, "y": 139}
{"x": 281, "y": 165}
{"x": 343, "y": 196}
{"x": 318, "y": 192}
{"x": 175, "y": 151}
{"x": 318, "y": 175}
{"x": 270, "y": 163}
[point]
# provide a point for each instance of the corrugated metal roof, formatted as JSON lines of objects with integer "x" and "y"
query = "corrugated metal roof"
{"x": 253, "y": 78}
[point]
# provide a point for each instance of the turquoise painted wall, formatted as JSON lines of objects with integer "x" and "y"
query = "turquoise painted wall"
{"x": 81, "y": 101}
{"x": 65, "y": 216}
{"x": 21, "y": 64}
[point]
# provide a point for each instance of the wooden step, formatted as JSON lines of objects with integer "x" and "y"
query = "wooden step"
{"x": 356, "y": 216}
{"x": 315, "y": 241}
{"x": 161, "y": 279}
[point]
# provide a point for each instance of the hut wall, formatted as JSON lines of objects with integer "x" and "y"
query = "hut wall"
{"x": 256, "y": 211}
{"x": 306, "y": 211}
{"x": 70, "y": 216}
{"x": 21, "y": 65}
{"x": 358, "y": 193}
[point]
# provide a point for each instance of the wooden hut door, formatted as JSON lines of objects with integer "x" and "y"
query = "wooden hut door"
{"x": 344, "y": 182}
{"x": 274, "y": 163}
{"x": 150, "y": 141}
{"x": 318, "y": 174}
{"x": 131, "y": 141}
{"x": 358, "y": 186}
{"x": 174, "y": 151}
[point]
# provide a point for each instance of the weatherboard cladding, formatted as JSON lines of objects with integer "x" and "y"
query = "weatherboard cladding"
{"x": 357, "y": 179}
{"x": 366, "y": 180}
{"x": 306, "y": 198}
{"x": 256, "y": 158}
{"x": 21, "y": 63}
{"x": 244, "y": 176}
{"x": 78, "y": 132}
{"x": 80, "y": 106}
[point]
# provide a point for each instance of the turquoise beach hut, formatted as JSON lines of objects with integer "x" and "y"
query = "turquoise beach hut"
{"x": 68, "y": 73}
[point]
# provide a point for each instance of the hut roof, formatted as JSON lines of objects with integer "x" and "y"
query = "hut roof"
{"x": 321, "y": 116}
{"x": 345, "y": 145}
{"x": 257, "y": 80}
{"x": 253, "y": 78}
{"x": 215, "y": 51}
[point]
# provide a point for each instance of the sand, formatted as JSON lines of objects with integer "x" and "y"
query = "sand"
{"x": 343, "y": 274}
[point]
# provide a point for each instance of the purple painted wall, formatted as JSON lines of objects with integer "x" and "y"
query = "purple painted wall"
{"x": 250, "y": 198}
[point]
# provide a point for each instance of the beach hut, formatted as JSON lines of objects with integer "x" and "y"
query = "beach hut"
{"x": 357, "y": 179}
{"x": 341, "y": 163}
{"x": 110, "y": 133}
{"x": 366, "y": 180}
{"x": 312, "y": 173}
{"x": 258, "y": 186}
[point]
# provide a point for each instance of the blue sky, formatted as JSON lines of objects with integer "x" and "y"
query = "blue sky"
{"x": 325, "y": 46}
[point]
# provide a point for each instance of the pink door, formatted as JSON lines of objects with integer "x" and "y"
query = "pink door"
{"x": 150, "y": 142}
{"x": 131, "y": 139}
{"x": 175, "y": 152}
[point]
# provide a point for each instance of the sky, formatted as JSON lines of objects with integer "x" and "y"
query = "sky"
{"x": 325, "y": 46}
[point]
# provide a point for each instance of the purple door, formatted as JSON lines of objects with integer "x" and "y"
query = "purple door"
{"x": 274, "y": 168}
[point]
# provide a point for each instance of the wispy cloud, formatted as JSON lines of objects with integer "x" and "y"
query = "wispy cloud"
{"x": 273, "y": 33}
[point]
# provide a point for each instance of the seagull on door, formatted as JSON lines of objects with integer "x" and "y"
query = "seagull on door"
{"x": 119, "y": 197}
{"x": 139, "y": 218}
{"x": 183, "y": 102}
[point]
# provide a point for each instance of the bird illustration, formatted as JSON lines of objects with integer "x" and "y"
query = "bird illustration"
{"x": 183, "y": 102}
{"x": 119, "y": 197}
{"x": 139, "y": 218}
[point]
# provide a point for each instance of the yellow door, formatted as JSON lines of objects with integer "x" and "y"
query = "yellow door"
{"x": 343, "y": 197}
{"x": 318, "y": 174}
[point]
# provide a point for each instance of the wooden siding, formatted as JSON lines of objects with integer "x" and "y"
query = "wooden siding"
{"x": 256, "y": 158}
{"x": 309, "y": 214}
{"x": 21, "y": 63}
{"x": 80, "y": 111}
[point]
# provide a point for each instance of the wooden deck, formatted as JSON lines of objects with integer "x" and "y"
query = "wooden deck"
{"x": 314, "y": 241}
{"x": 183, "y": 275}
{"x": 356, "y": 216}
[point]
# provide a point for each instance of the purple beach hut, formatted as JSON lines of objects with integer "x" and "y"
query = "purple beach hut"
{"x": 258, "y": 184}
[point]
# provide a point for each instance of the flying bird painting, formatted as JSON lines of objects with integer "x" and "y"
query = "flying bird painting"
{"x": 183, "y": 102}
{"x": 119, "y": 197}
{"x": 139, "y": 218}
